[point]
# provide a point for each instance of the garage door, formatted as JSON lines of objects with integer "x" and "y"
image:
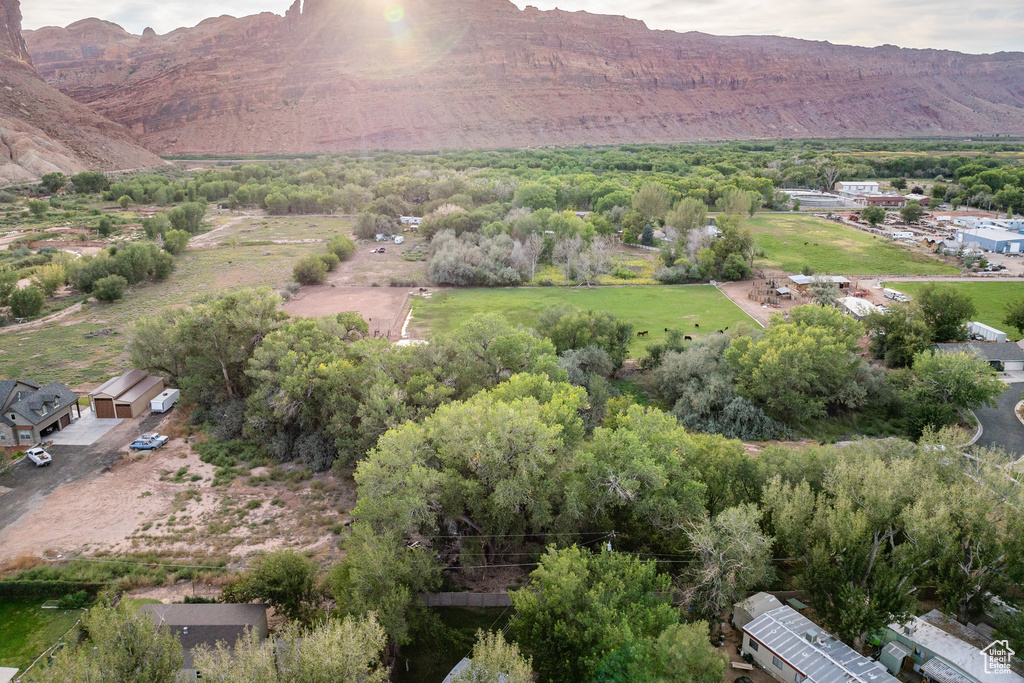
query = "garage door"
{"x": 105, "y": 408}
{"x": 123, "y": 410}
{"x": 65, "y": 421}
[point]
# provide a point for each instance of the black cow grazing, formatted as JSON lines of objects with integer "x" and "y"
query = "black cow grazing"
{"x": 721, "y": 331}
{"x": 642, "y": 334}
{"x": 696, "y": 324}
{"x": 727, "y": 329}
{"x": 806, "y": 243}
{"x": 666, "y": 329}
{"x": 423, "y": 289}
{"x": 687, "y": 338}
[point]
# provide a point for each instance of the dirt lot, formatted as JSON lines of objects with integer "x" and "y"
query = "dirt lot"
{"x": 365, "y": 268}
{"x": 165, "y": 500}
{"x": 384, "y": 308}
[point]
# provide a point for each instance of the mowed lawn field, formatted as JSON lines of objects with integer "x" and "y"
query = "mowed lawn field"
{"x": 989, "y": 298}
{"x": 647, "y": 308}
{"x": 834, "y": 249}
{"x": 26, "y": 629}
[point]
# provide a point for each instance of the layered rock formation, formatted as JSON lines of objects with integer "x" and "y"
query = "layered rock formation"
{"x": 335, "y": 75}
{"x": 42, "y": 130}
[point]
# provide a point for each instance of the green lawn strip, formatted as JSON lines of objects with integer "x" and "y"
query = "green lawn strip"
{"x": 26, "y": 629}
{"x": 989, "y": 298}
{"x": 834, "y": 248}
{"x": 435, "y": 651}
{"x": 202, "y": 271}
{"x": 652, "y": 308}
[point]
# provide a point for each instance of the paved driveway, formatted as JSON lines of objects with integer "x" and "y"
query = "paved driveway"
{"x": 30, "y": 485}
{"x": 1002, "y": 428}
{"x": 85, "y": 431}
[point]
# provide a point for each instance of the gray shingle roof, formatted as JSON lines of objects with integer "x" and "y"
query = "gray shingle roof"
{"x": 988, "y": 351}
{"x": 207, "y": 624}
{"x": 809, "y": 649}
{"x": 36, "y": 406}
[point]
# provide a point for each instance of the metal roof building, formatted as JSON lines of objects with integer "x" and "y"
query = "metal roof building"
{"x": 948, "y": 652}
{"x": 746, "y": 611}
{"x": 992, "y": 239}
{"x": 793, "y": 648}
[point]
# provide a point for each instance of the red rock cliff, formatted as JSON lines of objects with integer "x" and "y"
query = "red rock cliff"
{"x": 343, "y": 74}
{"x": 42, "y": 130}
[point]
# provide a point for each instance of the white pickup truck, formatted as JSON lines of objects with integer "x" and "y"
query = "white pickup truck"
{"x": 39, "y": 456}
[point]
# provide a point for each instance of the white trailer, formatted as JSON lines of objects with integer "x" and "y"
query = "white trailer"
{"x": 894, "y": 295}
{"x": 164, "y": 402}
{"x": 982, "y": 332}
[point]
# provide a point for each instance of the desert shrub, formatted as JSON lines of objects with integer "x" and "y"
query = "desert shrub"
{"x": 316, "y": 451}
{"x": 105, "y": 227}
{"x": 675, "y": 275}
{"x": 76, "y": 600}
{"x": 110, "y": 288}
{"x": 228, "y": 418}
{"x": 92, "y": 270}
{"x": 175, "y": 241}
{"x": 229, "y": 453}
{"x": 310, "y": 270}
{"x": 330, "y": 260}
{"x": 163, "y": 266}
{"x": 38, "y": 207}
{"x": 27, "y": 302}
{"x": 341, "y": 246}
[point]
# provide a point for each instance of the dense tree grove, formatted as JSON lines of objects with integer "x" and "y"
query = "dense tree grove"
{"x": 494, "y": 446}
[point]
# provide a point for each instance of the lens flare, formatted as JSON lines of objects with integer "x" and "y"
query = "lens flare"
{"x": 394, "y": 14}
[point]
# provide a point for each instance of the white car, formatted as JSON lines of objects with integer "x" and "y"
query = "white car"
{"x": 39, "y": 456}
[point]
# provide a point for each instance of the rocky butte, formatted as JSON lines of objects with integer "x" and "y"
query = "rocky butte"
{"x": 42, "y": 130}
{"x": 334, "y": 75}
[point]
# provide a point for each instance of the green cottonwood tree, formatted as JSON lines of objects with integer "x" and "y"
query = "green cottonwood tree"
{"x": 337, "y": 651}
{"x": 732, "y": 554}
{"x": 946, "y": 312}
{"x": 596, "y": 603}
{"x": 495, "y": 659}
{"x": 285, "y": 580}
{"x": 122, "y": 646}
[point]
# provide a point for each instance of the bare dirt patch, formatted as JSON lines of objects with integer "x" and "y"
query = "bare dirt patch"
{"x": 384, "y": 308}
{"x": 364, "y": 268}
{"x": 166, "y": 501}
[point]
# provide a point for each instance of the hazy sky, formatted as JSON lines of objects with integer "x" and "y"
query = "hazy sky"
{"x": 972, "y": 26}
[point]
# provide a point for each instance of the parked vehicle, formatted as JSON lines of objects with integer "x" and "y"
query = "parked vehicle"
{"x": 894, "y": 295}
{"x": 39, "y": 456}
{"x": 165, "y": 401}
{"x": 148, "y": 442}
